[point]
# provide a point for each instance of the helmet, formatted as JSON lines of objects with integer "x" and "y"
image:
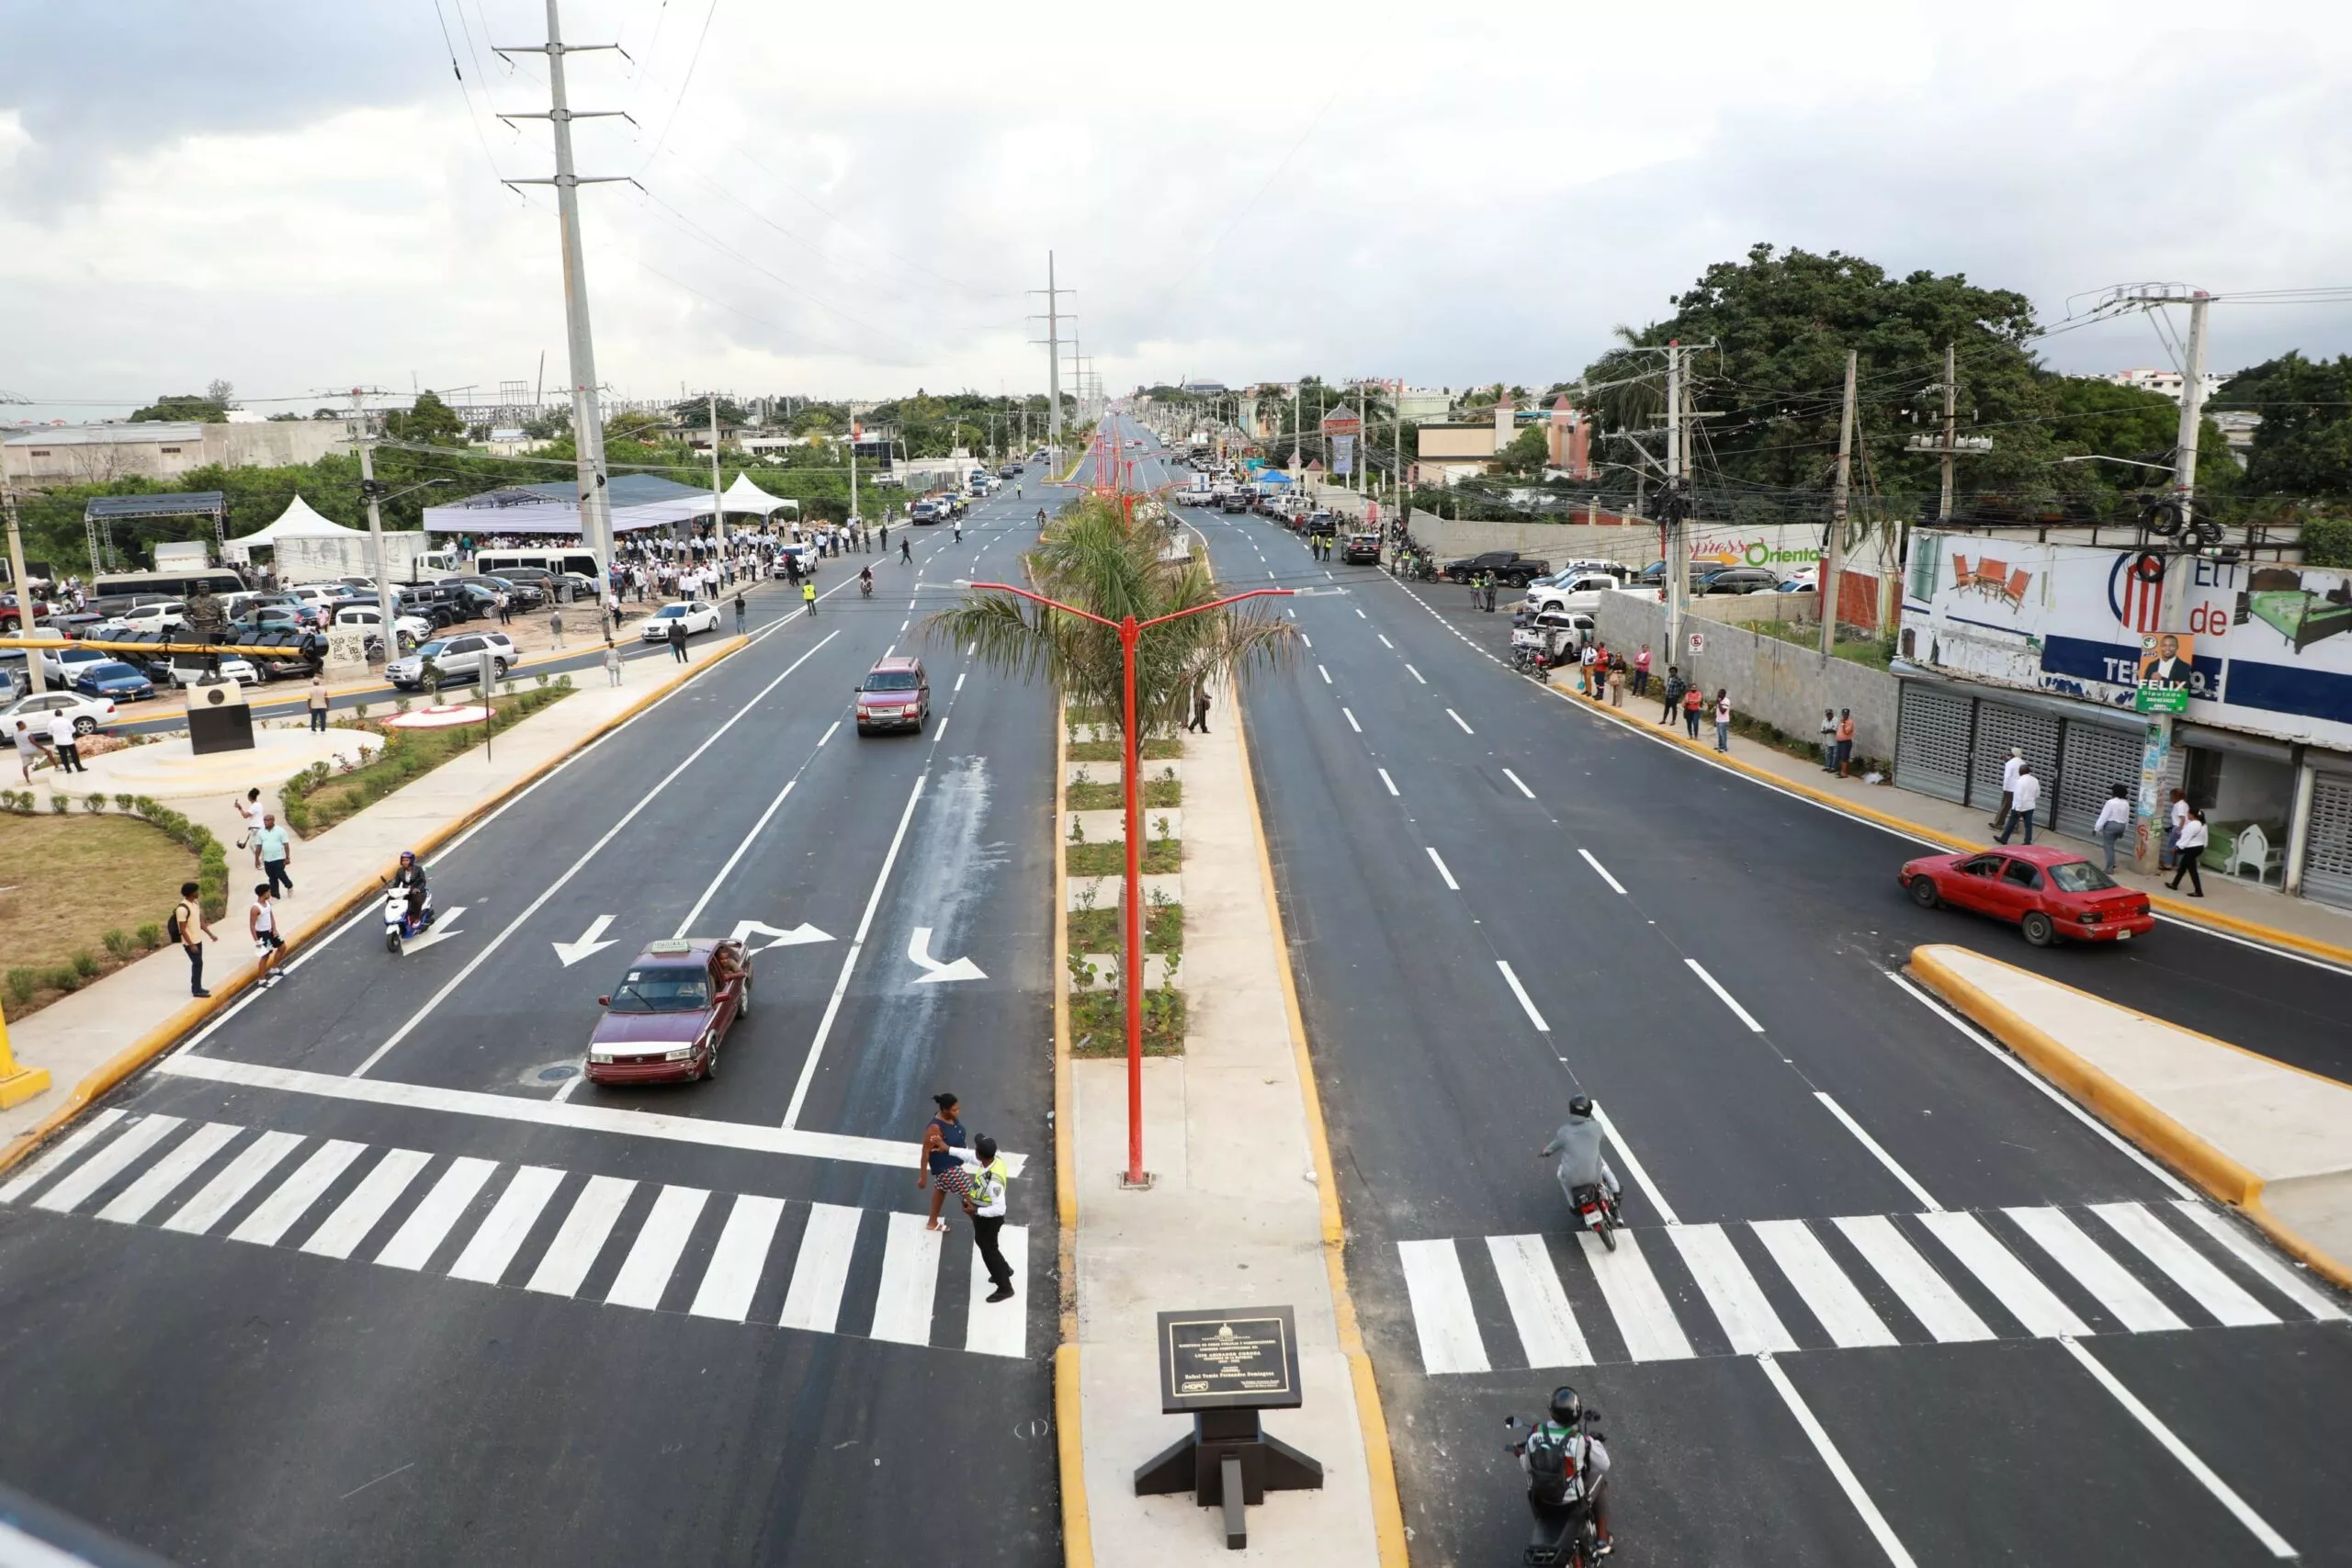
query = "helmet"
{"x": 1581, "y": 1106}
{"x": 408, "y": 857}
{"x": 1568, "y": 1406}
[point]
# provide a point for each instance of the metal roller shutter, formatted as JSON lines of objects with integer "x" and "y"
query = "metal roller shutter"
{"x": 1931, "y": 743}
{"x": 2327, "y": 853}
{"x": 2097, "y": 759}
{"x": 2000, "y": 726}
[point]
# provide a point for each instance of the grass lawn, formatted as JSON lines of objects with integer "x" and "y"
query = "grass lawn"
{"x": 1166, "y": 748}
{"x": 1160, "y": 856}
{"x": 1100, "y": 797}
{"x": 1878, "y": 655}
{"x": 1104, "y": 930}
{"x": 1098, "y": 1023}
{"x": 71, "y": 879}
{"x": 407, "y": 755}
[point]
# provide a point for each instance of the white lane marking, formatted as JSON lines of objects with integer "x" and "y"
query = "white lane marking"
{"x": 2184, "y": 1265}
{"x": 904, "y": 625}
{"x": 856, "y": 946}
{"x": 60, "y": 1157}
{"x": 159, "y": 1180}
{"x": 1522, "y": 785}
{"x": 645, "y": 1273}
{"x": 1635, "y": 1299}
{"x": 1416, "y": 676}
{"x": 1305, "y": 641}
{"x": 831, "y": 730}
{"x": 1000, "y": 1328}
{"x": 582, "y": 1236}
{"x": 1384, "y": 638}
{"x": 734, "y": 1273}
{"x": 1360, "y": 614}
{"x": 1619, "y": 888}
{"x": 1748, "y": 1320}
{"x": 2028, "y": 1299}
{"x": 1634, "y": 1168}
{"x": 1727, "y": 998}
{"x": 1440, "y": 864}
{"x": 2049, "y": 1091}
{"x": 1547, "y": 1326}
{"x": 742, "y": 847}
{"x": 1349, "y": 714}
{"x": 968, "y": 651}
{"x": 959, "y": 680}
{"x": 420, "y": 1236}
{"x": 1387, "y": 780}
{"x": 1325, "y": 673}
{"x": 2272, "y": 1542}
{"x": 1829, "y": 1294}
{"x": 2255, "y": 1256}
{"x": 276, "y": 1214}
{"x": 1447, "y": 1327}
{"x": 223, "y": 1193}
{"x": 1915, "y": 1281}
{"x": 589, "y": 855}
{"x": 1458, "y": 719}
{"x": 369, "y": 1202}
{"x": 2134, "y": 1305}
{"x": 1927, "y": 1200}
{"x": 1510, "y": 978}
{"x": 501, "y": 1235}
{"x": 910, "y": 1281}
{"x": 1847, "y": 1481}
{"x": 108, "y": 1162}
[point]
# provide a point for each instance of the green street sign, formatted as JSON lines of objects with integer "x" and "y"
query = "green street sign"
{"x": 2163, "y": 699}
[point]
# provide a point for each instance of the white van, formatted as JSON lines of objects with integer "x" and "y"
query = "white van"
{"x": 573, "y": 564}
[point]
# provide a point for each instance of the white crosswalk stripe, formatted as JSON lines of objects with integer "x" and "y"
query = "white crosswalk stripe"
{"x": 127, "y": 1168}
{"x": 2179, "y": 1268}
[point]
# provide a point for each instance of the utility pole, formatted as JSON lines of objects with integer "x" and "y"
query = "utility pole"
{"x": 1678, "y": 542}
{"x": 718, "y": 504}
{"x": 1834, "y": 562}
{"x": 1951, "y": 416}
{"x": 387, "y": 606}
{"x": 852, "y": 468}
{"x": 1053, "y": 358}
{"x": 2156, "y": 754}
{"x": 23, "y": 586}
{"x": 587, "y": 424}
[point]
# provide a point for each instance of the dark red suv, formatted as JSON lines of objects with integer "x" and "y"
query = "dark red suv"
{"x": 894, "y": 694}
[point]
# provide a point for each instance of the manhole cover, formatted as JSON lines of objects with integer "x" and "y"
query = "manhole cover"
{"x": 557, "y": 1074}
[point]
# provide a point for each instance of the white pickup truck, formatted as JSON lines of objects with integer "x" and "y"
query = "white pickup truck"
{"x": 1573, "y": 591}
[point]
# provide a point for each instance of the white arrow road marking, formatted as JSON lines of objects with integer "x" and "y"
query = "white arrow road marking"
{"x": 591, "y": 943}
{"x": 919, "y": 953}
{"x": 447, "y": 926}
{"x": 803, "y": 932}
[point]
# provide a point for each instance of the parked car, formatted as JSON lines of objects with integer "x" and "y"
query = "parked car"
{"x": 114, "y": 679}
{"x": 695, "y": 615}
{"x": 415, "y": 628}
{"x": 89, "y": 714}
{"x": 671, "y": 1012}
{"x": 1739, "y": 579}
{"x": 894, "y": 694}
{"x": 2046, "y": 892}
{"x": 10, "y": 614}
{"x": 455, "y": 660}
{"x": 191, "y": 668}
{"x": 157, "y": 617}
{"x": 1581, "y": 591}
{"x": 1509, "y": 566}
{"x": 63, "y": 663}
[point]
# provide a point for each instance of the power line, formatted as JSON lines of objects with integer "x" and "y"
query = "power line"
{"x": 692, "y": 61}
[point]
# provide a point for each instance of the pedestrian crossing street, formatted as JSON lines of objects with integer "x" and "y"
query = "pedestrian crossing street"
{"x": 1678, "y": 1292}
{"x": 606, "y": 1238}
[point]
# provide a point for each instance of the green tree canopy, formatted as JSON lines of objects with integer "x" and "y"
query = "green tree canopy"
{"x": 1526, "y": 454}
{"x": 175, "y": 406}
{"x": 428, "y": 422}
{"x": 2303, "y": 445}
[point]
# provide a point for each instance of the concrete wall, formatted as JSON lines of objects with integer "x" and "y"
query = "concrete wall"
{"x": 1738, "y": 609}
{"x": 1778, "y": 683}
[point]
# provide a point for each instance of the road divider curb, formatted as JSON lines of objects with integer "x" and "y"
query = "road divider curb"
{"x": 2179, "y": 910}
{"x": 110, "y": 1074}
{"x": 1380, "y": 1460}
{"x": 2116, "y": 1103}
{"x": 1078, "y": 1530}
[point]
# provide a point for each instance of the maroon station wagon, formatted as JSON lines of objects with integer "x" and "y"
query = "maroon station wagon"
{"x": 666, "y": 1019}
{"x": 2046, "y": 892}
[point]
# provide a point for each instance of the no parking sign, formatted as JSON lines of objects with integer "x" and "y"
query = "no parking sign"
{"x": 1698, "y": 642}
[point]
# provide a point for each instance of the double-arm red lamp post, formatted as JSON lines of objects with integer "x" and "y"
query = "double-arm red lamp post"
{"x": 1130, "y": 632}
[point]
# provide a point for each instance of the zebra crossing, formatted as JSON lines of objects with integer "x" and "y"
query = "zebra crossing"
{"x": 624, "y": 1243}
{"x": 1775, "y": 1286}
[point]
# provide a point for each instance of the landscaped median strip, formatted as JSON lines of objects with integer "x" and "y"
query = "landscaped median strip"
{"x": 2245, "y": 1129}
{"x": 155, "y": 1041}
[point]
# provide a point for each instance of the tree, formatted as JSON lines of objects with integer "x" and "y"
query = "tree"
{"x": 177, "y": 406}
{"x": 635, "y": 425}
{"x": 2303, "y": 445}
{"x": 1093, "y": 558}
{"x": 222, "y": 391}
{"x": 428, "y": 422}
{"x": 1527, "y": 454}
{"x": 697, "y": 411}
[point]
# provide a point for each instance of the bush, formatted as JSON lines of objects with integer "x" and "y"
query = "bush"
{"x": 58, "y": 804}
{"x": 151, "y": 936}
{"x": 118, "y": 943}
{"x": 123, "y": 803}
{"x": 86, "y": 964}
{"x": 22, "y": 984}
{"x": 2327, "y": 541}
{"x": 63, "y": 978}
{"x": 97, "y": 803}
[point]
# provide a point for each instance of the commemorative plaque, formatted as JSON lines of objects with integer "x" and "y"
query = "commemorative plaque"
{"x": 1221, "y": 1368}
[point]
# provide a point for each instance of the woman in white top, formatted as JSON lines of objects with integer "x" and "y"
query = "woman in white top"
{"x": 249, "y": 810}
{"x": 261, "y": 920}
{"x": 2113, "y": 817}
{"x": 2192, "y": 849}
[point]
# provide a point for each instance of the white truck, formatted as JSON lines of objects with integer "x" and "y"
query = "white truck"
{"x": 322, "y": 560}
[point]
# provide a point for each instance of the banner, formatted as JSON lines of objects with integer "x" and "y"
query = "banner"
{"x": 1343, "y": 455}
{"x": 2167, "y": 661}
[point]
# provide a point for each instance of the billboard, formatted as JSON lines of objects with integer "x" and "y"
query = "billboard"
{"x": 1343, "y": 455}
{"x": 2255, "y": 646}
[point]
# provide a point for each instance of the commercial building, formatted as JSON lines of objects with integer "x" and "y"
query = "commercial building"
{"x": 99, "y": 454}
{"x": 1447, "y": 451}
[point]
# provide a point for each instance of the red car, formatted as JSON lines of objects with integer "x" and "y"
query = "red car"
{"x": 666, "y": 1021}
{"x": 2046, "y": 892}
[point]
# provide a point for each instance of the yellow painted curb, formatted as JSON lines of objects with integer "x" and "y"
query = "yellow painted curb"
{"x": 2179, "y": 908}
{"x": 110, "y": 1074}
{"x": 1380, "y": 1458}
{"x": 1077, "y": 1528}
{"x": 2121, "y": 1107}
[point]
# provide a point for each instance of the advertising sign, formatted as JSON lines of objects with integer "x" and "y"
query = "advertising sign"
{"x": 1343, "y": 454}
{"x": 2166, "y": 664}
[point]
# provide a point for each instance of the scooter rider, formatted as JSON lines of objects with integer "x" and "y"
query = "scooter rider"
{"x": 1563, "y": 1435}
{"x": 410, "y": 876}
{"x": 866, "y": 581}
{"x": 1578, "y": 1143}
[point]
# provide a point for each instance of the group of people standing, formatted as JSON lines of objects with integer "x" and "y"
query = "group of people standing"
{"x": 2185, "y": 831}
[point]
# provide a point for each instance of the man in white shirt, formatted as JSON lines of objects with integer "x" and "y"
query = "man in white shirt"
{"x": 2023, "y": 797}
{"x": 986, "y": 1206}
{"x": 2009, "y": 788}
{"x": 2176, "y": 815}
{"x": 65, "y": 742}
{"x": 2113, "y": 817}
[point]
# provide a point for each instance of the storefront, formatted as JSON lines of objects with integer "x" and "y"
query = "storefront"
{"x": 1952, "y": 738}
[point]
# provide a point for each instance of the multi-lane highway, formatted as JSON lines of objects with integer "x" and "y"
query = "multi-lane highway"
{"x": 365, "y": 1273}
{"x": 1885, "y": 1298}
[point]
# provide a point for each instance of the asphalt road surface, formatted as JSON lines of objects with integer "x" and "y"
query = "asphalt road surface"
{"x": 386, "y": 1284}
{"x": 1884, "y": 1298}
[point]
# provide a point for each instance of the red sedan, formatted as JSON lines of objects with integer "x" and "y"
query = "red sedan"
{"x": 666, "y": 1021}
{"x": 2046, "y": 892}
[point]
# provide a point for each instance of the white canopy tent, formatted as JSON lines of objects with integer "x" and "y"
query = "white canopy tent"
{"x": 299, "y": 521}
{"x": 745, "y": 496}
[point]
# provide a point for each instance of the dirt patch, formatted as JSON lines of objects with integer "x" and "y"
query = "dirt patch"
{"x": 70, "y": 881}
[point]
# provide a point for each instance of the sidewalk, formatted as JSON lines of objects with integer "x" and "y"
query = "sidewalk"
{"x": 93, "y": 1039}
{"x": 2261, "y": 1137}
{"x": 1242, "y": 1211}
{"x": 2231, "y": 904}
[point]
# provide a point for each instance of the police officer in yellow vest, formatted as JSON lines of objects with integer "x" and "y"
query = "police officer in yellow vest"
{"x": 984, "y": 1204}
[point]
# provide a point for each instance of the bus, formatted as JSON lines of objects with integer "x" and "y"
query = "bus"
{"x": 128, "y": 585}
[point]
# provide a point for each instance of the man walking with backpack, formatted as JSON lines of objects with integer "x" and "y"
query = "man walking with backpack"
{"x": 188, "y": 927}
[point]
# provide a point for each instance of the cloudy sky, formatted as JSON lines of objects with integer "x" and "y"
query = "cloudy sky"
{"x": 853, "y": 200}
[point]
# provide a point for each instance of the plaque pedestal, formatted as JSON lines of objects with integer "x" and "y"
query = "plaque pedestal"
{"x": 1229, "y": 1460}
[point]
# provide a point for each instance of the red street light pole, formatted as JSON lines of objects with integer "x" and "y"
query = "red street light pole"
{"x": 1130, "y": 632}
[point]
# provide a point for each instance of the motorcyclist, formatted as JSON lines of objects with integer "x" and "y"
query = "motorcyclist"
{"x": 1578, "y": 1143}
{"x": 866, "y": 581}
{"x": 410, "y": 876}
{"x": 1563, "y": 1433}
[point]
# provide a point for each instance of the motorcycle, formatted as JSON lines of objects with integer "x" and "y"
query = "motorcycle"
{"x": 1562, "y": 1533}
{"x": 866, "y": 588}
{"x": 398, "y": 927}
{"x": 1597, "y": 1212}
